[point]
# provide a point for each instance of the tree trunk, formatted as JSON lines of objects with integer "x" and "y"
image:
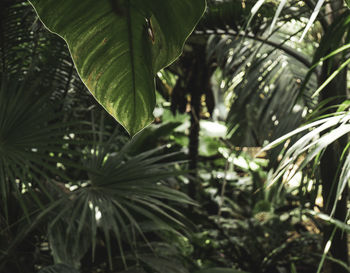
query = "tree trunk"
{"x": 196, "y": 85}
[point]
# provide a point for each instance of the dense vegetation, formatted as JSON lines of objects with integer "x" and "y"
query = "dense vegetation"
{"x": 194, "y": 191}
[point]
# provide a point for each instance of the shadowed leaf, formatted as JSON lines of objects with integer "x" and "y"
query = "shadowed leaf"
{"x": 119, "y": 46}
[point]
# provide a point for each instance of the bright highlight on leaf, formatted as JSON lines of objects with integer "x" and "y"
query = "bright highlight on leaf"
{"x": 347, "y": 3}
{"x": 312, "y": 18}
{"x": 118, "y": 46}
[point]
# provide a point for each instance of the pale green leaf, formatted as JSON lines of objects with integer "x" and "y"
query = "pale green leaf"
{"x": 312, "y": 18}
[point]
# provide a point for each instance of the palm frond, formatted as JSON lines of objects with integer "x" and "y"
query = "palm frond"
{"x": 317, "y": 136}
{"x": 26, "y": 123}
{"x": 120, "y": 193}
{"x": 263, "y": 84}
{"x": 234, "y": 14}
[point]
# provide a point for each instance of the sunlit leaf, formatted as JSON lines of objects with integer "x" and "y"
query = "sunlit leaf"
{"x": 312, "y": 18}
{"x": 347, "y": 3}
{"x": 277, "y": 14}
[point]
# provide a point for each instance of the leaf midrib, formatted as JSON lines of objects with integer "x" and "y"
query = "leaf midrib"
{"x": 131, "y": 51}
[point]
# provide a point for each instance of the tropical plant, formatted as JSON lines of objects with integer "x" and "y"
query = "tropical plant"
{"x": 120, "y": 69}
{"x": 72, "y": 182}
{"x": 60, "y": 154}
{"x": 272, "y": 113}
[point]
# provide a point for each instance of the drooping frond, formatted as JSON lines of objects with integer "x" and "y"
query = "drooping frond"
{"x": 262, "y": 82}
{"x": 316, "y": 137}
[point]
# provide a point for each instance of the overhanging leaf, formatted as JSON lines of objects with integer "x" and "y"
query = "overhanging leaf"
{"x": 119, "y": 45}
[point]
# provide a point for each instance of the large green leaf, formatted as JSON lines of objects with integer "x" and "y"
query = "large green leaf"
{"x": 119, "y": 45}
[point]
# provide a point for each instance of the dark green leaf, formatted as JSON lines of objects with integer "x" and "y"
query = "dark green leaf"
{"x": 119, "y": 45}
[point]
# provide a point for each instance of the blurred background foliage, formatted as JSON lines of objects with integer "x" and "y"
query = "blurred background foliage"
{"x": 187, "y": 194}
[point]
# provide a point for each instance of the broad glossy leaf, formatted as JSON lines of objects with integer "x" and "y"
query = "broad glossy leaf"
{"x": 119, "y": 45}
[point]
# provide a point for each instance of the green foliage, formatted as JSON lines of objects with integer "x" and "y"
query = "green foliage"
{"x": 121, "y": 195}
{"x": 73, "y": 188}
{"x": 262, "y": 84}
{"x": 255, "y": 228}
{"x": 119, "y": 46}
{"x": 77, "y": 194}
{"x": 347, "y": 3}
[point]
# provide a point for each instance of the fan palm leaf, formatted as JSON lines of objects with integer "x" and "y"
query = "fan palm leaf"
{"x": 121, "y": 192}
